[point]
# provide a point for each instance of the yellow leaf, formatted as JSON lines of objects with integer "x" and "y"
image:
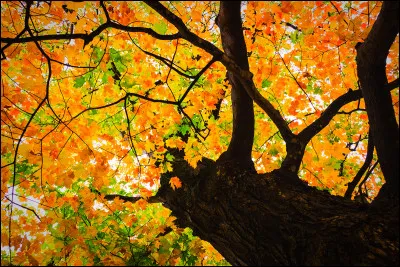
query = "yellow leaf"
{"x": 25, "y": 149}
{"x": 168, "y": 166}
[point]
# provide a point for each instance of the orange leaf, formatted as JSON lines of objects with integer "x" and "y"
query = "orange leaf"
{"x": 286, "y": 7}
{"x": 175, "y": 182}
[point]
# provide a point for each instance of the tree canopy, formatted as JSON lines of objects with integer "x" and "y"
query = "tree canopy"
{"x": 110, "y": 110}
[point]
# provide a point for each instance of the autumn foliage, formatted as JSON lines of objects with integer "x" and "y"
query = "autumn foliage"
{"x": 94, "y": 95}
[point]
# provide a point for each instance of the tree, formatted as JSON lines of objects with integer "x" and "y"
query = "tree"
{"x": 246, "y": 120}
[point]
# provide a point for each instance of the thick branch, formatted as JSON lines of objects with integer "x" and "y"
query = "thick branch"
{"x": 153, "y": 199}
{"x": 196, "y": 78}
{"x": 122, "y": 99}
{"x": 311, "y": 130}
{"x": 363, "y": 169}
{"x": 88, "y": 37}
{"x": 183, "y": 30}
{"x": 296, "y": 145}
{"x": 371, "y": 69}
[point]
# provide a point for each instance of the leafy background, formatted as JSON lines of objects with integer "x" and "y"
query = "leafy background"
{"x": 83, "y": 121}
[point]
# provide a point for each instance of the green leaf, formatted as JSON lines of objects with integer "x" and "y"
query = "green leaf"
{"x": 336, "y": 165}
{"x": 79, "y": 82}
{"x": 114, "y": 55}
{"x": 96, "y": 259}
{"x": 106, "y": 74}
{"x": 318, "y": 90}
{"x": 225, "y": 140}
{"x": 294, "y": 37}
{"x": 161, "y": 27}
{"x": 101, "y": 235}
{"x": 273, "y": 151}
{"x": 101, "y": 19}
{"x": 98, "y": 53}
{"x": 169, "y": 157}
{"x": 184, "y": 128}
{"x": 93, "y": 112}
{"x": 197, "y": 120}
{"x": 132, "y": 153}
{"x": 266, "y": 83}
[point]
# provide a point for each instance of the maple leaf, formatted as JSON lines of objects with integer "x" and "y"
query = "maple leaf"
{"x": 175, "y": 182}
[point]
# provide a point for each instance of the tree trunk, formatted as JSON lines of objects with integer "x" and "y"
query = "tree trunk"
{"x": 294, "y": 155}
{"x": 268, "y": 219}
{"x": 371, "y": 68}
{"x": 239, "y": 150}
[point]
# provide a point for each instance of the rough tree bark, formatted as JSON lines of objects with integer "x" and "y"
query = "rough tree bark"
{"x": 255, "y": 219}
{"x": 274, "y": 218}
